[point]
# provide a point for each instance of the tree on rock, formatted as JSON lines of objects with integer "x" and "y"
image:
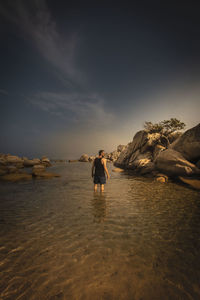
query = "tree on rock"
{"x": 165, "y": 128}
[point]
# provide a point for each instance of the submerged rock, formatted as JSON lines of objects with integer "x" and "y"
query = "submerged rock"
{"x": 118, "y": 170}
{"x": 44, "y": 174}
{"x": 13, "y": 177}
{"x": 195, "y": 183}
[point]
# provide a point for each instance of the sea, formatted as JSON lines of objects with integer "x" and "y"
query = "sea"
{"x": 137, "y": 240}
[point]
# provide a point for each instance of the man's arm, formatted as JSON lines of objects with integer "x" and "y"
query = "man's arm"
{"x": 105, "y": 167}
{"x": 93, "y": 169}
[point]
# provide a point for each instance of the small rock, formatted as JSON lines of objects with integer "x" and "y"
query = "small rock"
{"x": 161, "y": 177}
{"x": 117, "y": 170}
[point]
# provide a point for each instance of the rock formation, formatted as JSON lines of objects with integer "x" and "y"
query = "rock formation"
{"x": 84, "y": 158}
{"x": 11, "y": 165}
{"x": 149, "y": 153}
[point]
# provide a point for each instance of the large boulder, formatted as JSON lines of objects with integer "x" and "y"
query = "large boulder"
{"x": 173, "y": 136}
{"x": 173, "y": 163}
{"x": 195, "y": 183}
{"x": 142, "y": 163}
{"x": 151, "y": 140}
{"x": 188, "y": 144}
{"x": 113, "y": 156}
{"x": 84, "y": 158}
{"x": 139, "y": 139}
{"x": 120, "y": 148}
{"x": 124, "y": 156}
{"x": 157, "y": 149}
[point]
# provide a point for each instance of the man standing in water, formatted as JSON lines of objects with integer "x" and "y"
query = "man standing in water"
{"x": 100, "y": 168}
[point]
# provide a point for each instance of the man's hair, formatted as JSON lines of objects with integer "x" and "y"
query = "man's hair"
{"x": 101, "y": 151}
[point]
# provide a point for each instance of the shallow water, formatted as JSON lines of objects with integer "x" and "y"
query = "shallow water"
{"x": 59, "y": 240}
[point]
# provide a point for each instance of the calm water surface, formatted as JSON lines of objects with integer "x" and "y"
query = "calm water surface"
{"x": 60, "y": 240}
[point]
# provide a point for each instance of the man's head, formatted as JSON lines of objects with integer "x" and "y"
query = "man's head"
{"x": 101, "y": 153}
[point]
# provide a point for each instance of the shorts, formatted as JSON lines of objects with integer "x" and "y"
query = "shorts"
{"x": 99, "y": 179}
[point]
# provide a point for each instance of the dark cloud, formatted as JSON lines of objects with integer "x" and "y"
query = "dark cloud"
{"x": 95, "y": 71}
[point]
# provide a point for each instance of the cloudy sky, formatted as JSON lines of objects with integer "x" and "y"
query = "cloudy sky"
{"x": 79, "y": 77}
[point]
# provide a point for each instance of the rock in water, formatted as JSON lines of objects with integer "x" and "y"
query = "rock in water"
{"x": 12, "y": 159}
{"x": 118, "y": 170}
{"x": 45, "y": 161}
{"x": 188, "y": 144}
{"x": 38, "y": 168}
{"x": 161, "y": 178}
{"x": 173, "y": 163}
{"x": 31, "y": 162}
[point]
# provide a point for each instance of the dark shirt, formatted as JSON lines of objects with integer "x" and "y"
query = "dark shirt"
{"x": 99, "y": 168}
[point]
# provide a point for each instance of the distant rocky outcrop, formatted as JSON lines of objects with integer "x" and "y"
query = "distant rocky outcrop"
{"x": 84, "y": 158}
{"x": 13, "y": 168}
{"x": 111, "y": 157}
{"x": 174, "y": 156}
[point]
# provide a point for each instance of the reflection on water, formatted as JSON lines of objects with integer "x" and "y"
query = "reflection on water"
{"x": 139, "y": 239}
{"x": 99, "y": 206}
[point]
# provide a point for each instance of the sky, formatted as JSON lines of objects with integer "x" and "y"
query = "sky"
{"x": 77, "y": 77}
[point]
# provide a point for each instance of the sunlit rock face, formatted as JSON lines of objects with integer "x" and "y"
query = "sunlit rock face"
{"x": 189, "y": 144}
{"x": 173, "y": 163}
{"x": 182, "y": 155}
{"x": 139, "y": 154}
{"x": 149, "y": 152}
{"x": 195, "y": 183}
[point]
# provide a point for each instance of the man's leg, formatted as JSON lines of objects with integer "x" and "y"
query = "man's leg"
{"x": 95, "y": 187}
{"x": 102, "y": 187}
